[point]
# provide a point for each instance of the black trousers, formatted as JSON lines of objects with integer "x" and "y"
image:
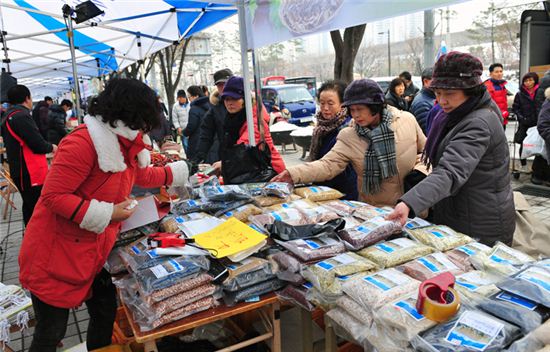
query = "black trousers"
{"x": 51, "y": 322}
{"x": 541, "y": 169}
{"x": 30, "y": 197}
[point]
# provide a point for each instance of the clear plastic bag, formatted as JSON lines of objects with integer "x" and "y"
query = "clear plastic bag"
{"x": 127, "y": 237}
{"x": 323, "y": 275}
{"x": 319, "y": 214}
{"x": 243, "y": 212}
{"x": 346, "y": 326}
{"x": 355, "y": 310}
{"x": 369, "y": 232}
{"x": 534, "y": 341}
{"x": 247, "y": 273}
{"x": 170, "y": 272}
{"x": 172, "y": 223}
{"x": 15, "y": 307}
{"x": 368, "y": 212}
{"x": 343, "y": 207}
{"x": 289, "y": 216}
{"x": 233, "y": 297}
{"x": 532, "y": 282}
{"x": 138, "y": 256}
{"x": 471, "y": 330}
{"x": 324, "y": 302}
{"x": 391, "y": 253}
{"x": 197, "y": 205}
{"x": 461, "y": 255}
{"x": 295, "y": 204}
{"x": 476, "y": 284}
{"x": 373, "y": 290}
{"x": 288, "y": 268}
{"x": 440, "y": 237}
{"x": 318, "y": 193}
{"x": 297, "y": 296}
{"x": 225, "y": 193}
{"x": 416, "y": 223}
{"x": 317, "y": 248}
{"x": 277, "y": 189}
{"x": 401, "y": 320}
{"x": 114, "y": 264}
{"x": 431, "y": 265}
{"x": 502, "y": 260}
{"x": 383, "y": 340}
{"x": 267, "y": 201}
{"x": 184, "y": 284}
{"x": 519, "y": 311}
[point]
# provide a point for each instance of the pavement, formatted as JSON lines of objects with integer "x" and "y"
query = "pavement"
{"x": 11, "y": 231}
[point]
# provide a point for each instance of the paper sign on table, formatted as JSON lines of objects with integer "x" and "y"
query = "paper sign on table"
{"x": 233, "y": 236}
{"x": 146, "y": 213}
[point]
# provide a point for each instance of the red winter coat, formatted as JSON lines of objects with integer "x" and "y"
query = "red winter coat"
{"x": 60, "y": 254}
{"x": 277, "y": 161}
{"x": 500, "y": 98}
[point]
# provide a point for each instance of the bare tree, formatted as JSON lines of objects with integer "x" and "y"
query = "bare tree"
{"x": 133, "y": 71}
{"x": 171, "y": 61}
{"x": 367, "y": 63}
{"x": 415, "y": 54}
{"x": 346, "y": 49}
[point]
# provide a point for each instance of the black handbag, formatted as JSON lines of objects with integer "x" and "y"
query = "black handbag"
{"x": 243, "y": 163}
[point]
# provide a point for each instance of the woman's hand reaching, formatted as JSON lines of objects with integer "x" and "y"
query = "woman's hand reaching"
{"x": 400, "y": 213}
{"x": 283, "y": 177}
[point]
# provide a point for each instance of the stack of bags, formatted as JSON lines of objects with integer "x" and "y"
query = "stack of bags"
{"x": 15, "y": 310}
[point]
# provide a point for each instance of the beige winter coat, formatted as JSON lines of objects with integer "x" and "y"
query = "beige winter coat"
{"x": 350, "y": 148}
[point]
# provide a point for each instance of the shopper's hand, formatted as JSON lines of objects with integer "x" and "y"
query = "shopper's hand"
{"x": 54, "y": 149}
{"x": 121, "y": 211}
{"x": 283, "y": 177}
{"x": 400, "y": 213}
{"x": 217, "y": 166}
{"x": 179, "y": 131}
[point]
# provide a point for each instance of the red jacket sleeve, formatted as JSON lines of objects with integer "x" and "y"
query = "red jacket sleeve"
{"x": 152, "y": 177}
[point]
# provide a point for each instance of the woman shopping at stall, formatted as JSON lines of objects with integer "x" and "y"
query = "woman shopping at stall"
{"x": 469, "y": 184}
{"x": 383, "y": 147}
{"x": 331, "y": 119}
{"x": 79, "y": 213}
{"x": 236, "y": 160}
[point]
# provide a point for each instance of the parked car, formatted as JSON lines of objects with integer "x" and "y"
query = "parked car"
{"x": 293, "y": 97}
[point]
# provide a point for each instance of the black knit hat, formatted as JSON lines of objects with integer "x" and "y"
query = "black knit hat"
{"x": 363, "y": 91}
{"x": 457, "y": 70}
{"x": 222, "y": 75}
{"x": 181, "y": 93}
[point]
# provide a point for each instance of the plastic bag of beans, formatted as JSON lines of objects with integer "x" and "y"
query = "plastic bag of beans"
{"x": 318, "y": 193}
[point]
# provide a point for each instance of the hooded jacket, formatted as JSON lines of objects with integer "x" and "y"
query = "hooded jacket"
{"x": 543, "y": 125}
{"x": 56, "y": 124}
{"x": 350, "y": 149}
{"x": 199, "y": 108}
{"x": 469, "y": 186}
{"x": 70, "y": 234}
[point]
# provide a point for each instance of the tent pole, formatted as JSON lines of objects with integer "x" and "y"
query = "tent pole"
{"x": 70, "y": 34}
{"x": 246, "y": 72}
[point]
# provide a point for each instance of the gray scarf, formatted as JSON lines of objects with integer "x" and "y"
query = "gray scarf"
{"x": 380, "y": 158}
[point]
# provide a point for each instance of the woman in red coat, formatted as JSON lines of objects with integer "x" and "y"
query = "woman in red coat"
{"x": 78, "y": 215}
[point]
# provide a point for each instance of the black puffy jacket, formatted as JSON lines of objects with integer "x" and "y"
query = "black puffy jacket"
{"x": 525, "y": 108}
{"x": 197, "y": 111}
{"x": 56, "y": 124}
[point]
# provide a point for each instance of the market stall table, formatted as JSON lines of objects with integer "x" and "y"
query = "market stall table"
{"x": 267, "y": 307}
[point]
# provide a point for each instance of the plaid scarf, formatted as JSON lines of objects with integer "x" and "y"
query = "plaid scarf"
{"x": 324, "y": 127}
{"x": 380, "y": 158}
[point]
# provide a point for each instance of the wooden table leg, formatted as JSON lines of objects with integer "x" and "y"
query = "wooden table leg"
{"x": 330, "y": 338}
{"x": 276, "y": 315}
{"x": 307, "y": 340}
{"x": 150, "y": 346}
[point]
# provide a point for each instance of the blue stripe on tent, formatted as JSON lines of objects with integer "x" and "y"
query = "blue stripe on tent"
{"x": 79, "y": 38}
{"x": 209, "y": 18}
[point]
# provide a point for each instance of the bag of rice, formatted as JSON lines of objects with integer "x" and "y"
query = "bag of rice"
{"x": 532, "y": 282}
{"x": 369, "y": 212}
{"x": 355, "y": 310}
{"x": 502, "y": 260}
{"x": 391, "y": 253}
{"x": 243, "y": 212}
{"x": 184, "y": 284}
{"x": 267, "y": 201}
{"x": 316, "y": 248}
{"x": 471, "y": 330}
{"x": 290, "y": 216}
{"x": 373, "y": 290}
{"x": 417, "y": 223}
{"x": 325, "y": 302}
{"x": 318, "y": 193}
{"x": 426, "y": 267}
{"x": 517, "y": 310}
{"x": 343, "y": 207}
{"x": 288, "y": 267}
{"x": 460, "y": 256}
{"x": 476, "y": 284}
{"x": 369, "y": 232}
{"x": 323, "y": 274}
{"x": 320, "y": 214}
{"x": 440, "y": 237}
{"x": 401, "y": 320}
{"x": 346, "y": 326}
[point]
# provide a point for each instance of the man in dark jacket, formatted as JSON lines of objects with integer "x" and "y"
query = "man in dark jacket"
{"x": 57, "y": 118}
{"x": 26, "y": 148}
{"x": 40, "y": 115}
{"x": 211, "y": 129}
{"x": 543, "y": 125}
{"x": 424, "y": 101}
{"x": 410, "y": 89}
{"x": 198, "y": 108}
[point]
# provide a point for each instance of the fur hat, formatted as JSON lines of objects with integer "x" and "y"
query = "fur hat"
{"x": 457, "y": 70}
{"x": 363, "y": 91}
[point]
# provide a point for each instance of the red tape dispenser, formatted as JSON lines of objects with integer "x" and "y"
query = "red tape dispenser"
{"x": 437, "y": 298}
{"x": 166, "y": 240}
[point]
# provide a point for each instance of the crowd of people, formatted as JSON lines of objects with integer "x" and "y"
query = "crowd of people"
{"x": 439, "y": 150}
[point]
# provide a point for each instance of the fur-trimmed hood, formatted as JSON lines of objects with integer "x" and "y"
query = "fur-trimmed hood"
{"x": 215, "y": 97}
{"x": 547, "y": 93}
{"x": 104, "y": 138}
